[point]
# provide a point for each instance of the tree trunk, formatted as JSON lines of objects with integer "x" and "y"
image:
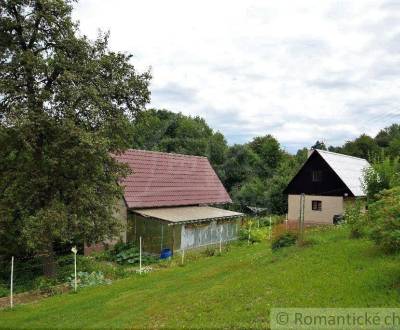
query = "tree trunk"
{"x": 49, "y": 262}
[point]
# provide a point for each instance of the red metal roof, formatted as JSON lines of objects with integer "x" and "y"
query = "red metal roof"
{"x": 161, "y": 179}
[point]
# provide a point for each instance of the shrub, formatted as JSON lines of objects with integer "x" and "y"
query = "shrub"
{"x": 85, "y": 279}
{"x": 284, "y": 239}
{"x": 355, "y": 219}
{"x": 46, "y": 285}
{"x": 209, "y": 251}
{"x": 4, "y": 290}
{"x": 128, "y": 253}
{"x": 384, "y": 220}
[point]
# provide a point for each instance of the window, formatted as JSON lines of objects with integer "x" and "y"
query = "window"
{"x": 316, "y": 205}
{"x": 316, "y": 176}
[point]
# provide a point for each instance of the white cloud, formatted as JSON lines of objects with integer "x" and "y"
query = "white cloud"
{"x": 300, "y": 70}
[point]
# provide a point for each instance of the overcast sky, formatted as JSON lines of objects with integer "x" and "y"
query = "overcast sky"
{"x": 300, "y": 70}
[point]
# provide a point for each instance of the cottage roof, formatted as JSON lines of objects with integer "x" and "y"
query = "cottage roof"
{"x": 349, "y": 169}
{"x": 161, "y": 179}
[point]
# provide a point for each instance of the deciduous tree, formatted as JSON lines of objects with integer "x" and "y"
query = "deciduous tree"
{"x": 66, "y": 103}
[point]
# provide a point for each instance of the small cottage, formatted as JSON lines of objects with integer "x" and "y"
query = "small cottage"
{"x": 329, "y": 182}
{"x": 169, "y": 201}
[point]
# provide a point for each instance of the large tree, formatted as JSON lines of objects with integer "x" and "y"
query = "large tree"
{"x": 66, "y": 104}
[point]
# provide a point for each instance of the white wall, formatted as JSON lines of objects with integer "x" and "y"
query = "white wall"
{"x": 331, "y": 205}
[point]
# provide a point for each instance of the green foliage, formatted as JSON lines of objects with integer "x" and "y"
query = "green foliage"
{"x": 46, "y": 285}
{"x": 284, "y": 239}
{"x": 387, "y": 135}
{"x": 162, "y": 130}
{"x": 128, "y": 253}
{"x": 66, "y": 104}
{"x": 384, "y": 220}
{"x": 383, "y": 174}
{"x": 355, "y": 219}
{"x": 85, "y": 279}
{"x": 270, "y": 154}
{"x": 364, "y": 147}
{"x": 4, "y": 290}
{"x": 319, "y": 145}
{"x": 256, "y": 234}
{"x": 209, "y": 251}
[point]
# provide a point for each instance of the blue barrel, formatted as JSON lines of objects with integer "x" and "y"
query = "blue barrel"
{"x": 166, "y": 253}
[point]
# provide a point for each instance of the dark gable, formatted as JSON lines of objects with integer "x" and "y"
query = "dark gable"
{"x": 316, "y": 177}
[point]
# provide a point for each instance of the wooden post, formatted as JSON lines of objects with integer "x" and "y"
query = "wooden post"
{"x": 162, "y": 236}
{"x": 12, "y": 283}
{"x": 173, "y": 239}
{"x": 183, "y": 256}
{"x": 140, "y": 255}
{"x": 220, "y": 239}
{"x": 301, "y": 224}
{"x": 270, "y": 227}
{"x": 75, "y": 251}
{"x": 248, "y": 240}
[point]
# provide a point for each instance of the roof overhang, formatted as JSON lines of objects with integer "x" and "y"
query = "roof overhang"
{"x": 188, "y": 214}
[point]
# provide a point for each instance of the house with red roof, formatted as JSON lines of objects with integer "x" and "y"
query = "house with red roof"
{"x": 170, "y": 202}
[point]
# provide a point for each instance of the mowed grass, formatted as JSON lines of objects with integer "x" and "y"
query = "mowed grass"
{"x": 237, "y": 289}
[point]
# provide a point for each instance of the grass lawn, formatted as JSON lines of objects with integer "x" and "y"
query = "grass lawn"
{"x": 236, "y": 289}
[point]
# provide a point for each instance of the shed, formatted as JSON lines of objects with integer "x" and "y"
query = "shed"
{"x": 171, "y": 202}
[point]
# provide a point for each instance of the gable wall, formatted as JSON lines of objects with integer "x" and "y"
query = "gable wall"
{"x": 330, "y": 185}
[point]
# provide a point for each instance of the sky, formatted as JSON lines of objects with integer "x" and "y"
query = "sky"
{"x": 299, "y": 70}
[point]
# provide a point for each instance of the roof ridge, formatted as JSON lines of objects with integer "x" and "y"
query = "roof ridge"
{"x": 339, "y": 154}
{"x": 165, "y": 153}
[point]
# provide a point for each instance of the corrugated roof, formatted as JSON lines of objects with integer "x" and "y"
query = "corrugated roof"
{"x": 164, "y": 179}
{"x": 350, "y": 169}
{"x": 188, "y": 213}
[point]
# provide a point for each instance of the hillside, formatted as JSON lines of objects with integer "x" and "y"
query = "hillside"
{"x": 235, "y": 289}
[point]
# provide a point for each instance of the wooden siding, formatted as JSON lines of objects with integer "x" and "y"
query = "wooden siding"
{"x": 330, "y": 184}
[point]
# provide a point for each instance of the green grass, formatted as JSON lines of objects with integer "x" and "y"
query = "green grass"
{"x": 236, "y": 289}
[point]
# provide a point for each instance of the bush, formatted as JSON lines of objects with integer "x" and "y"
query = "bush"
{"x": 384, "y": 220}
{"x": 355, "y": 219}
{"x": 128, "y": 253}
{"x": 283, "y": 240}
{"x": 209, "y": 251}
{"x": 4, "y": 290}
{"x": 46, "y": 285}
{"x": 85, "y": 279}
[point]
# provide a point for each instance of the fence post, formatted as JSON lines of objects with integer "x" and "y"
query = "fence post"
{"x": 220, "y": 239}
{"x": 270, "y": 227}
{"x": 301, "y": 225}
{"x": 248, "y": 239}
{"x": 140, "y": 255}
{"x": 183, "y": 256}
{"x": 75, "y": 251}
{"x": 12, "y": 282}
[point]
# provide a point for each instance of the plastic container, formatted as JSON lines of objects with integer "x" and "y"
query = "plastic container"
{"x": 166, "y": 254}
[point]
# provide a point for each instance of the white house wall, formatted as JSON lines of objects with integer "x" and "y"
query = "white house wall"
{"x": 331, "y": 205}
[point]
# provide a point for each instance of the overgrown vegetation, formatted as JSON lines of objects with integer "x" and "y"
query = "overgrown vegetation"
{"x": 384, "y": 220}
{"x": 128, "y": 253}
{"x": 283, "y": 240}
{"x": 355, "y": 218}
